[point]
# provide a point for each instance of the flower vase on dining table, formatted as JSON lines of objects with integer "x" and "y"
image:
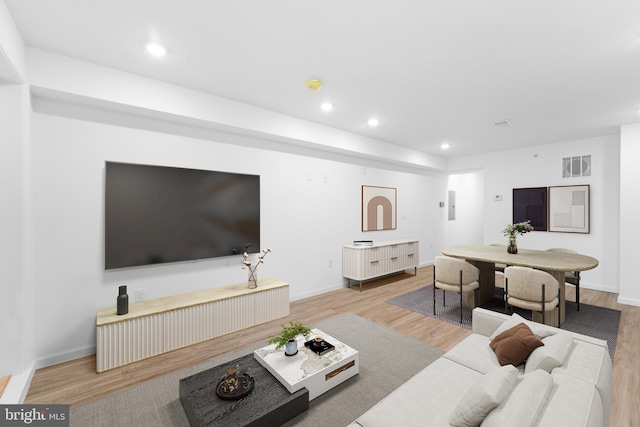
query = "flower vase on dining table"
{"x": 512, "y": 248}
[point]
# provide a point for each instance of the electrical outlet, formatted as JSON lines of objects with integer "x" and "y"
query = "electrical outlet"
{"x": 140, "y": 295}
{"x": 330, "y": 263}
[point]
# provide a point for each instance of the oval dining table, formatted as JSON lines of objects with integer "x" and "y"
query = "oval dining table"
{"x": 485, "y": 258}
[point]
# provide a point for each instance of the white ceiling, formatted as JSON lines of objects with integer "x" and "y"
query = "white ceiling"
{"x": 430, "y": 71}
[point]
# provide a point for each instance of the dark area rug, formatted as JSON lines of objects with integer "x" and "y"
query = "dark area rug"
{"x": 598, "y": 322}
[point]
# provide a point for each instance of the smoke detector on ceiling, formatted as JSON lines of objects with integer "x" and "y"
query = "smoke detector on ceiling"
{"x": 502, "y": 123}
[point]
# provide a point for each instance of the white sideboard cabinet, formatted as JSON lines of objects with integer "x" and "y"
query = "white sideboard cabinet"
{"x": 161, "y": 325}
{"x": 363, "y": 262}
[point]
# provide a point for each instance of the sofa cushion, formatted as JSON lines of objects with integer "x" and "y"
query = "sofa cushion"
{"x": 590, "y": 363}
{"x": 430, "y": 396}
{"x": 514, "y": 345}
{"x": 586, "y": 409}
{"x": 525, "y": 404}
{"x": 474, "y": 352}
{"x": 539, "y": 330}
{"x": 551, "y": 355}
{"x": 487, "y": 393}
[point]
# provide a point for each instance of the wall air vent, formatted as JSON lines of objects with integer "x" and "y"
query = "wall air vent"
{"x": 577, "y": 166}
{"x": 502, "y": 123}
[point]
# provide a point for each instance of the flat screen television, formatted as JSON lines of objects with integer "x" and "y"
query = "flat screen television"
{"x": 159, "y": 214}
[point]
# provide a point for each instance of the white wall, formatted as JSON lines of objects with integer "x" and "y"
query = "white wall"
{"x": 16, "y": 308}
{"x": 12, "y": 52}
{"x": 541, "y": 166}
{"x": 629, "y": 214}
{"x": 467, "y": 228}
{"x": 310, "y": 209}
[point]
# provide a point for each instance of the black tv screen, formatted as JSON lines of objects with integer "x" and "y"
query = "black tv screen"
{"x": 158, "y": 214}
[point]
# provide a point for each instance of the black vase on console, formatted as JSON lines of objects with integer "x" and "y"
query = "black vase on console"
{"x": 123, "y": 301}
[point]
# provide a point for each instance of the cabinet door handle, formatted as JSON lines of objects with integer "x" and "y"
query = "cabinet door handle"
{"x": 395, "y": 257}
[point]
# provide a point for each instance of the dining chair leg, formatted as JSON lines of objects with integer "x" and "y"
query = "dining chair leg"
{"x": 543, "y": 304}
{"x": 558, "y": 306}
{"x": 506, "y": 295}
{"x": 578, "y": 294}
{"x": 461, "y": 297}
{"x": 434, "y": 290}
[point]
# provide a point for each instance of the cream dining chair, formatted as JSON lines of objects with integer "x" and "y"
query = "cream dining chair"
{"x": 454, "y": 275}
{"x": 531, "y": 289}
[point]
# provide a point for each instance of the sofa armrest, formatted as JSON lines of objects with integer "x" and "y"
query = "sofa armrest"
{"x": 485, "y": 322}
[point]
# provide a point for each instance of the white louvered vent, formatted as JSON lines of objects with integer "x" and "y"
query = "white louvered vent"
{"x": 577, "y": 166}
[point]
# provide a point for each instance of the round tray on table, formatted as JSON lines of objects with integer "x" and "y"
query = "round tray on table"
{"x": 235, "y": 386}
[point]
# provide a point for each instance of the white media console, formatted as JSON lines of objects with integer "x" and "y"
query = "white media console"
{"x": 363, "y": 262}
{"x": 157, "y": 326}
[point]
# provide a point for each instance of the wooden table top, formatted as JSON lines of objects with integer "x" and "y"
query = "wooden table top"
{"x": 541, "y": 260}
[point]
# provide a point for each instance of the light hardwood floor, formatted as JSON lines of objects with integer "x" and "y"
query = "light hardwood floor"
{"x": 76, "y": 382}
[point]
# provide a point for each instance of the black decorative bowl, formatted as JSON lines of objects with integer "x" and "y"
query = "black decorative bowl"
{"x": 235, "y": 385}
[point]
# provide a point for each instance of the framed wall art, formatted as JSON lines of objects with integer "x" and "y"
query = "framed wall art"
{"x": 530, "y": 204}
{"x": 569, "y": 209}
{"x": 378, "y": 208}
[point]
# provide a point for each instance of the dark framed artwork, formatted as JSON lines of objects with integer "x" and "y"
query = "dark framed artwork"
{"x": 530, "y": 204}
{"x": 378, "y": 208}
{"x": 569, "y": 208}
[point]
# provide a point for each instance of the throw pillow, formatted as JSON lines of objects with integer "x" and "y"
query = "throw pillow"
{"x": 525, "y": 402}
{"x": 514, "y": 345}
{"x": 539, "y": 330}
{"x": 486, "y": 394}
{"x": 553, "y": 354}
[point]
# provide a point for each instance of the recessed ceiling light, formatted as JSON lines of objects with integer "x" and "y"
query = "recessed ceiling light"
{"x": 156, "y": 49}
{"x": 326, "y": 106}
{"x": 445, "y": 146}
{"x": 373, "y": 122}
{"x": 314, "y": 85}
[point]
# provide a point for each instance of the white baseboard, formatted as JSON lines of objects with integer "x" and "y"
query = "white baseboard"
{"x": 597, "y": 287}
{"x": 18, "y": 387}
{"x": 65, "y": 356}
{"x": 628, "y": 301}
{"x": 315, "y": 292}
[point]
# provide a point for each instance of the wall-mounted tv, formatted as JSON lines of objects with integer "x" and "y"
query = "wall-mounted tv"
{"x": 159, "y": 214}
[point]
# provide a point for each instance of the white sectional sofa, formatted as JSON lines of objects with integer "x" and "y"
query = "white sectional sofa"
{"x": 566, "y": 382}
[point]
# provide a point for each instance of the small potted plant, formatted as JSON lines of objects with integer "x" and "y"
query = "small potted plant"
{"x": 288, "y": 335}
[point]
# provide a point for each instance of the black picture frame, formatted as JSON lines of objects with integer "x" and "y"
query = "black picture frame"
{"x": 531, "y": 204}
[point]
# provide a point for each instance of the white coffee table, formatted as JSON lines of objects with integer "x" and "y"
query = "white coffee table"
{"x": 307, "y": 369}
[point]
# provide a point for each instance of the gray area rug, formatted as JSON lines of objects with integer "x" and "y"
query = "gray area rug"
{"x": 591, "y": 320}
{"x": 387, "y": 359}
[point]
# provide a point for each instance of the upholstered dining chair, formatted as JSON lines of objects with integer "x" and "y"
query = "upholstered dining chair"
{"x": 454, "y": 275}
{"x": 531, "y": 289}
{"x": 570, "y": 277}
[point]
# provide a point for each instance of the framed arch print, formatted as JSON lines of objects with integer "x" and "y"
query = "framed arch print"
{"x": 569, "y": 209}
{"x": 379, "y": 208}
